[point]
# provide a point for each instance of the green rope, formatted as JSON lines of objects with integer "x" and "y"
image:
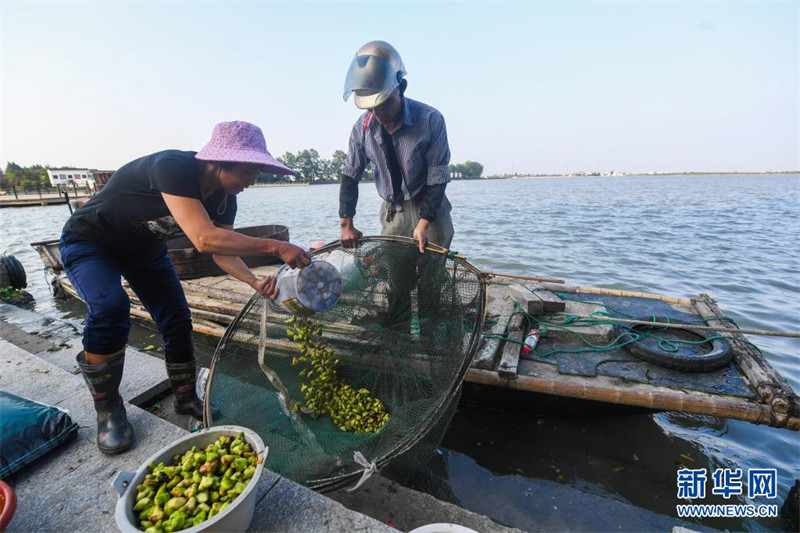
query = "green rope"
{"x": 665, "y": 344}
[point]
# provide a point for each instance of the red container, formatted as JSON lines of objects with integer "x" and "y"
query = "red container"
{"x": 8, "y": 504}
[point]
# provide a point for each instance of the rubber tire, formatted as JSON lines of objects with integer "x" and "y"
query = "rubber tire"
{"x": 16, "y": 273}
{"x": 719, "y": 356}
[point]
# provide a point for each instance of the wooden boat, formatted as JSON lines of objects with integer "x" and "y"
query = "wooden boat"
{"x": 190, "y": 263}
{"x": 572, "y": 359}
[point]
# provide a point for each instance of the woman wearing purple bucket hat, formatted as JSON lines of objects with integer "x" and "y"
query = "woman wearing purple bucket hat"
{"x": 121, "y": 233}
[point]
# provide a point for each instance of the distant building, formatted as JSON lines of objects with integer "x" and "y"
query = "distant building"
{"x": 101, "y": 177}
{"x": 80, "y": 177}
{"x": 84, "y": 177}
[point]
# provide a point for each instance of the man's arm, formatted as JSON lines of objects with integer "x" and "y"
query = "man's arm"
{"x": 352, "y": 168}
{"x": 431, "y": 199}
{"x": 437, "y": 159}
{"x": 191, "y": 216}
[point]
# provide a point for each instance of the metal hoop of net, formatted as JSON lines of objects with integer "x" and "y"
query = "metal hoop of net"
{"x": 396, "y": 347}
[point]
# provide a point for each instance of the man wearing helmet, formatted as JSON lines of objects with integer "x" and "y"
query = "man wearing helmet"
{"x": 407, "y": 142}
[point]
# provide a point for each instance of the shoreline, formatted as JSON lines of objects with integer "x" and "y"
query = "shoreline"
{"x": 556, "y": 176}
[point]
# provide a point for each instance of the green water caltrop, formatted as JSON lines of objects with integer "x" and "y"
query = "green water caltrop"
{"x": 196, "y": 487}
{"x": 325, "y": 393}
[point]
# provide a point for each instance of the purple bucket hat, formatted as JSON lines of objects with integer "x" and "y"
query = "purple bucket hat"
{"x": 240, "y": 142}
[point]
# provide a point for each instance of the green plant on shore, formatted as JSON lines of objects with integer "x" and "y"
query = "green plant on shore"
{"x": 9, "y": 293}
{"x": 326, "y": 394}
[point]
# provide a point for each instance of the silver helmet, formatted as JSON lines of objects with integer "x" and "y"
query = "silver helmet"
{"x": 374, "y": 73}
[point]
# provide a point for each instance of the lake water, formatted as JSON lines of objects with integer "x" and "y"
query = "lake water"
{"x": 734, "y": 237}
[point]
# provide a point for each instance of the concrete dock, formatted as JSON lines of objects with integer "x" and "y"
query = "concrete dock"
{"x": 28, "y": 200}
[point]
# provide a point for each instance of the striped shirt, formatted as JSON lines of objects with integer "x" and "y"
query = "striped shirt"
{"x": 420, "y": 143}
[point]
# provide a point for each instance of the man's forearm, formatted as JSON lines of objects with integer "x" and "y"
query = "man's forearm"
{"x": 432, "y": 197}
{"x": 348, "y": 197}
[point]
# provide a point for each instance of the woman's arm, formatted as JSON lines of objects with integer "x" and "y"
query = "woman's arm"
{"x": 191, "y": 216}
{"x": 234, "y": 266}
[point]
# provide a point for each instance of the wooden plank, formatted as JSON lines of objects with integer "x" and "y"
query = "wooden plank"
{"x": 618, "y": 391}
{"x": 509, "y": 360}
{"x": 235, "y": 286}
{"x": 770, "y": 385}
{"x": 550, "y": 302}
{"x": 527, "y": 300}
{"x": 486, "y": 355}
{"x": 216, "y": 293}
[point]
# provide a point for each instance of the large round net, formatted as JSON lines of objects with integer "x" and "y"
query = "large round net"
{"x": 372, "y": 375}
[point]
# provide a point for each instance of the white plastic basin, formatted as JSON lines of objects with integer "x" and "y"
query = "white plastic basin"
{"x": 235, "y": 517}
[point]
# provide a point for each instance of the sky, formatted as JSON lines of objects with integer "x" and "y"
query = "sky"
{"x": 525, "y": 87}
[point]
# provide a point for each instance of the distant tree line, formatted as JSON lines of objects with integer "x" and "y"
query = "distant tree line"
{"x": 312, "y": 168}
{"x": 32, "y": 176}
{"x": 308, "y": 164}
{"x": 469, "y": 169}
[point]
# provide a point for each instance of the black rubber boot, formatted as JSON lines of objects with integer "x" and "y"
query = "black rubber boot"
{"x": 114, "y": 432}
{"x": 182, "y": 377}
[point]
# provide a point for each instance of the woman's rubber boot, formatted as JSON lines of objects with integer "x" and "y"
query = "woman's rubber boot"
{"x": 182, "y": 377}
{"x": 114, "y": 432}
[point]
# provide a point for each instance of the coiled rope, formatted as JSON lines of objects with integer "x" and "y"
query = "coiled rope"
{"x": 628, "y": 336}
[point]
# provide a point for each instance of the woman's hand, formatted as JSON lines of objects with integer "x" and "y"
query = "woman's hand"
{"x": 266, "y": 287}
{"x": 292, "y": 255}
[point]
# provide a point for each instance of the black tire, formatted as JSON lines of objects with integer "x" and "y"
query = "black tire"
{"x": 16, "y": 273}
{"x": 718, "y": 357}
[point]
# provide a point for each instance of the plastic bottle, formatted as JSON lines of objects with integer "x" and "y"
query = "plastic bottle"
{"x": 531, "y": 340}
{"x": 308, "y": 290}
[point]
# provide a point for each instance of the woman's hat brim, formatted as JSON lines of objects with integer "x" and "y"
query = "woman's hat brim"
{"x": 230, "y": 155}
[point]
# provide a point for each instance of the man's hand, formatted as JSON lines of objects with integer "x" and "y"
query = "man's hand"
{"x": 292, "y": 255}
{"x": 350, "y": 235}
{"x": 421, "y": 234}
{"x": 266, "y": 286}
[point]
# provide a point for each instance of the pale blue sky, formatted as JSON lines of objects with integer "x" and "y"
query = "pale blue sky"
{"x": 536, "y": 87}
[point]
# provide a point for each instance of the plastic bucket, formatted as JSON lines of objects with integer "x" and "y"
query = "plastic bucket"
{"x": 308, "y": 290}
{"x": 442, "y": 528}
{"x": 236, "y": 517}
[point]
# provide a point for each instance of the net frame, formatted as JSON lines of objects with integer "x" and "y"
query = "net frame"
{"x": 329, "y": 483}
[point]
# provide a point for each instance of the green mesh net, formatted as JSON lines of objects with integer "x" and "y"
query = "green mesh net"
{"x": 399, "y": 340}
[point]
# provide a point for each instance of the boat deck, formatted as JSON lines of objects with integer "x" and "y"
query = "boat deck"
{"x": 573, "y": 358}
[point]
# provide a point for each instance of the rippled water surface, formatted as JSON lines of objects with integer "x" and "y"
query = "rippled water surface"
{"x": 734, "y": 237}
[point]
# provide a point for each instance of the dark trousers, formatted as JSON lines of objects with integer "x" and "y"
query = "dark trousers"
{"x": 415, "y": 270}
{"x": 411, "y": 270}
{"x": 97, "y": 275}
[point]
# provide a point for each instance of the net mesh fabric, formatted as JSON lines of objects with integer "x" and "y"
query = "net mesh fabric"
{"x": 406, "y": 328}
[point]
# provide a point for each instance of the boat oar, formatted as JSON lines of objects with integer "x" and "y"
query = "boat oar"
{"x": 668, "y": 325}
{"x": 517, "y": 276}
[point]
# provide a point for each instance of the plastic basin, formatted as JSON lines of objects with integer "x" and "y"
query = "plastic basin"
{"x": 8, "y": 504}
{"x": 442, "y": 528}
{"x": 236, "y": 517}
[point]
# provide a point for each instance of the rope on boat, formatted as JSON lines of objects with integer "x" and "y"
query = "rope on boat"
{"x": 604, "y": 317}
